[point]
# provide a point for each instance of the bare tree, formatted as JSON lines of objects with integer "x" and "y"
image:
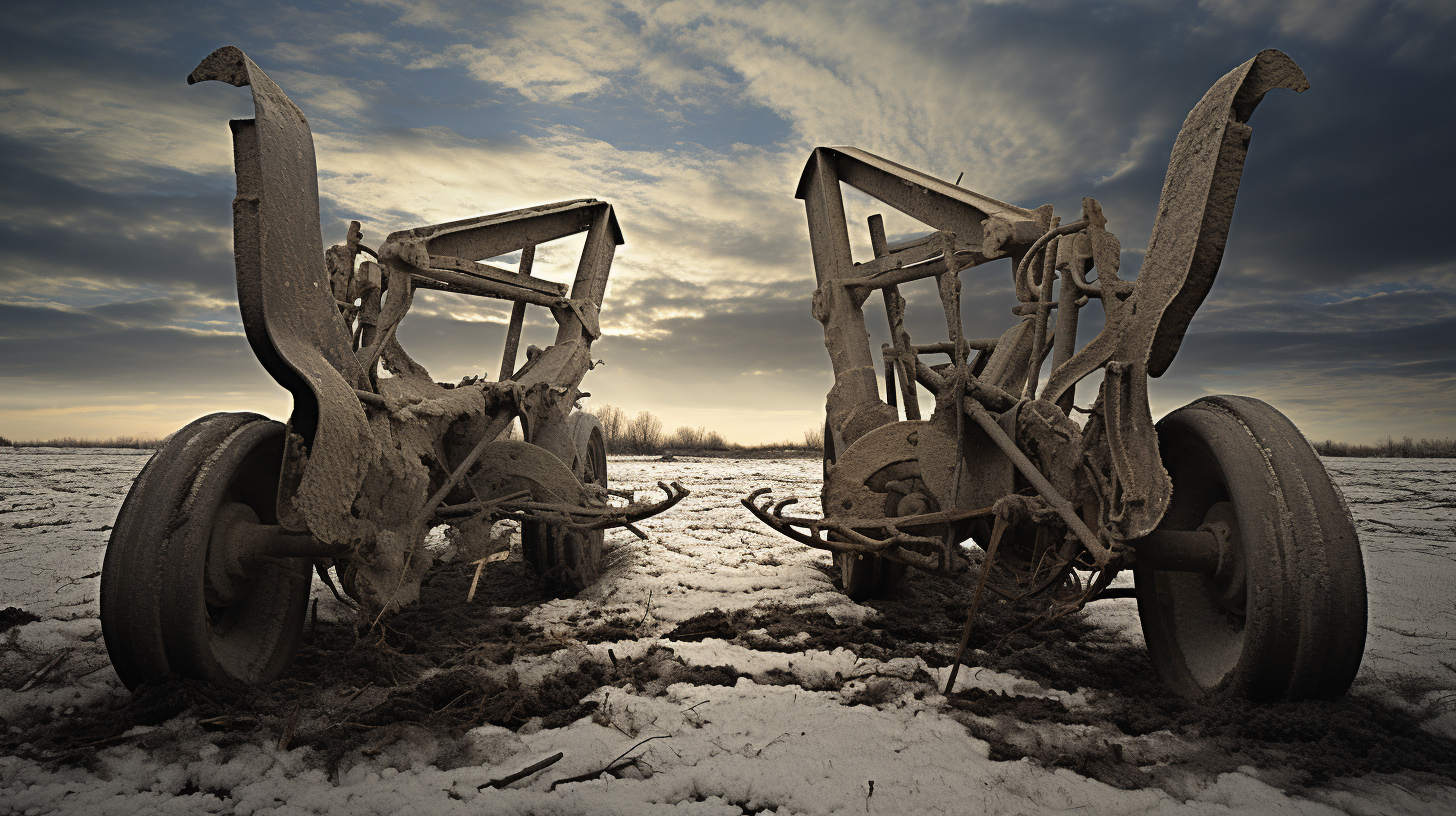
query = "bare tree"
{"x": 644, "y": 433}
{"x": 814, "y": 439}
{"x": 614, "y": 422}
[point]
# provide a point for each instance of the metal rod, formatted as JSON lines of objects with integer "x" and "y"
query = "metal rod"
{"x": 513, "y": 340}
{"x": 887, "y": 354}
{"x": 978, "y": 389}
{"x": 518, "y": 319}
{"x": 907, "y": 274}
{"x": 487, "y": 272}
{"x": 1178, "y": 551}
{"x": 1043, "y": 311}
{"x": 902, "y": 362}
{"x": 472, "y": 507}
{"x": 1066, "y": 336}
{"x": 258, "y": 541}
{"x": 997, "y": 531}
{"x": 1047, "y": 236}
{"x": 485, "y": 287}
{"x": 945, "y": 347}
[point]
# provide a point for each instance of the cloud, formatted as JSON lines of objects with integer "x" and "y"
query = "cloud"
{"x": 111, "y": 128}
{"x": 1408, "y": 30}
{"x": 694, "y": 119}
{"x": 1320, "y": 20}
{"x": 140, "y": 29}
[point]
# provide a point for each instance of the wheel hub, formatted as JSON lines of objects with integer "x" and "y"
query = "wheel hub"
{"x": 1230, "y": 581}
{"x": 227, "y": 554}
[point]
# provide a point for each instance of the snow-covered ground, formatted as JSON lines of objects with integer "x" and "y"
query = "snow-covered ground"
{"x": 723, "y": 661}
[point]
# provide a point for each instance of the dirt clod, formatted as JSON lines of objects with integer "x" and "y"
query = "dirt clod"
{"x": 12, "y": 616}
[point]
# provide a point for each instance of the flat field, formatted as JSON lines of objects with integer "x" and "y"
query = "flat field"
{"x": 714, "y": 669}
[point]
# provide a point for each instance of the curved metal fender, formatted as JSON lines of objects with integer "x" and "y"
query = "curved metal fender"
{"x": 1199, "y": 191}
{"x": 516, "y": 465}
{"x": 1187, "y": 242}
{"x": 1183, "y": 257}
{"x": 286, "y": 303}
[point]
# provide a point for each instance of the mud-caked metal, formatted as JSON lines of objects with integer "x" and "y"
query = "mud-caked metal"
{"x": 1249, "y": 577}
{"x": 208, "y": 571}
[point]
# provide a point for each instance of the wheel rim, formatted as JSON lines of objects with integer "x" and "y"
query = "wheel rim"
{"x": 869, "y": 577}
{"x": 1211, "y": 634}
{"x": 1197, "y": 612}
{"x": 581, "y": 551}
{"x": 250, "y": 632}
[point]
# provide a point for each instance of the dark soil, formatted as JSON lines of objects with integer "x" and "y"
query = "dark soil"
{"x": 1294, "y": 743}
{"x": 1147, "y": 736}
{"x": 439, "y": 668}
{"x": 422, "y": 678}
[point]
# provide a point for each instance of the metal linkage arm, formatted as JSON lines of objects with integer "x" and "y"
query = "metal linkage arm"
{"x": 592, "y": 518}
{"x": 848, "y": 534}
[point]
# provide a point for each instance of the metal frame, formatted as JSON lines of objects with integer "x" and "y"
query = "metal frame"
{"x": 999, "y": 458}
{"x": 372, "y": 462}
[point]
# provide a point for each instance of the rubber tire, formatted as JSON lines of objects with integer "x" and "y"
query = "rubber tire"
{"x": 1302, "y": 633}
{"x": 863, "y": 577}
{"x": 572, "y": 560}
{"x": 154, "y": 617}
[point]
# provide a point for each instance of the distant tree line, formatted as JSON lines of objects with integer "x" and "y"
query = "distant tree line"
{"x": 136, "y": 442}
{"x": 644, "y": 434}
{"x": 1406, "y": 448}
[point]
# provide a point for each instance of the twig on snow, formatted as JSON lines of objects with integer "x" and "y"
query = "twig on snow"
{"x": 44, "y": 670}
{"x": 480, "y": 567}
{"x": 523, "y": 773}
{"x": 611, "y": 766}
{"x": 226, "y": 722}
{"x": 381, "y": 744}
{"x": 646, "y": 611}
{"x": 770, "y": 742}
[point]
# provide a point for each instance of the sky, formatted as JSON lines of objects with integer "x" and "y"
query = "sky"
{"x": 1336, "y": 301}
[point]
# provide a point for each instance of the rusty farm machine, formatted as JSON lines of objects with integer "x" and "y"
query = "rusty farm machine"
{"x": 1248, "y": 573}
{"x": 209, "y": 568}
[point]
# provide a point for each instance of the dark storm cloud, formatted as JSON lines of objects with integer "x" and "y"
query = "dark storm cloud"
{"x": 1339, "y": 180}
{"x": 150, "y": 312}
{"x": 25, "y": 323}
{"x": 1419, "y": 350}
{"x": 174, "y": 232}
{"x": 41, "y": 345}
{"x": 1292, "y": 311}
{"x": 1336, "y": 261}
